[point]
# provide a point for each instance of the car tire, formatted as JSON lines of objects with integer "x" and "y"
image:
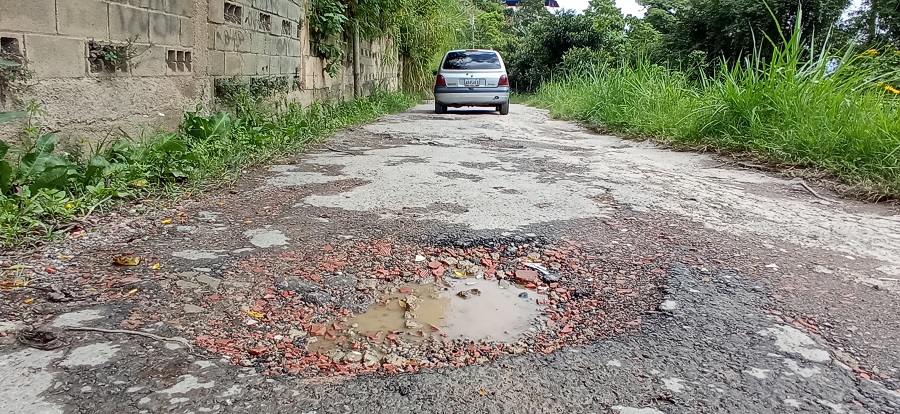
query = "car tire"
{"x": 503, "y": 109}
{"x": 439, "y": 109}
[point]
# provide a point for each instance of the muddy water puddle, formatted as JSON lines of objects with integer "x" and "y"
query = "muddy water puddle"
{"x": 470, "y": 309}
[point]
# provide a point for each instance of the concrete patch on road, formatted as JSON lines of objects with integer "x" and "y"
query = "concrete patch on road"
{"x": 192, "y": 254}
{"x": 265, "y": 238}
{"x": 673, "y": 384}
{"x": 24, "y": 375}
{"x": 77, "y": 318}
{"x": 187, "y": 383}
{"x": 90, "y": 355}
{"x": 758, "y": 372}
{"x": 631, "y": 410}
{"x": 443, "y": 180}
{"x": 795, "y": 368}
{"x": 792, "y": 340}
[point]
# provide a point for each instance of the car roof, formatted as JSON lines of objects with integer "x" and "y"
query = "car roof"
{"x": 473, "y": 50}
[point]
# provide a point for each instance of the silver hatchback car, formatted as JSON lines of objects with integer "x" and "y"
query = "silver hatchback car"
{"x": 471, "y": 77}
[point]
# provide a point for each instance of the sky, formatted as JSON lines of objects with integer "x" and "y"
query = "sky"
{"x": 631, "y": 7}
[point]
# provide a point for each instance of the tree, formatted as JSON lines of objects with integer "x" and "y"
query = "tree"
{"x": 730, "y": 29}
{"x": 540, "y": 52}
{"x": 878, "y": 21}
{"x": 527, "y": 13}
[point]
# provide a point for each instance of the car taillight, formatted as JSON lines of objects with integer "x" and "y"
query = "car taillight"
{"x": 504, "y": 81}
{"x": 440, "y": 81}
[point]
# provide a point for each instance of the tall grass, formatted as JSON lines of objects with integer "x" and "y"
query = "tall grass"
{"x": 796, "y": 108}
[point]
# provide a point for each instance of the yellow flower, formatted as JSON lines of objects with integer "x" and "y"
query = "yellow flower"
{"x": 872, "y": 52}
{"x": 892, "y": 89}
{"x": 69, "y": 206}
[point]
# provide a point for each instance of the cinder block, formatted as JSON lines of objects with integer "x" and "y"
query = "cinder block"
{"x": 84, "y": 18}
{"x": 187, "y": 33}
{"x": 224, "y": 38}
{"x": 293, "y": 12}
{"x": 263, "y": 5}
{"x": 233, "y": 63}
{"x": 152, "y": 62}
{"x": 294, "y": 47}
{"x": 127, "y": 23}
{"x": 281, "y": 47}
{"x": 274, "y": 65}
{"x": 258, "y": 43}
{"x": 262, "y": 65}
{"x": 251, "y": 18}
{"x": 216, "y": 11}
{"x": 55, "y": 57}
{"x": 215, "y": 65}
{"x": 242, "y": 41}
{"x": 184, "y": 7}
{"x": 248, "y": 64}
{"x": 165, "y": 29}
{"x": 37, "y": 16}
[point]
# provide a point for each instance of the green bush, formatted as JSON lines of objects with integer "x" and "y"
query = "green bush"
{"x": 837, "y": 112}
{"x": 41, "y": 188}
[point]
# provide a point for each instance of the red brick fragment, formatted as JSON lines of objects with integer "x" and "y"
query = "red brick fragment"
{"x": 526, "y": 276}
{"x": 317, "y": 329}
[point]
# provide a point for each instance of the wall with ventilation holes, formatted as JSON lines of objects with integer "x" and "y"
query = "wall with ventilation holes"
{"x": 181, "y": 47}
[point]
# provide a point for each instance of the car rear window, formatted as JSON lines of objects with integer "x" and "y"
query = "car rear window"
{"x": 472, "y": 60}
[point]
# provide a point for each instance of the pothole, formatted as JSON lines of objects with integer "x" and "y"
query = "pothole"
{"x": 374, "y": 305}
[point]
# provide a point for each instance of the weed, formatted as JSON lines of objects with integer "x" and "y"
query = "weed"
{"x": 801, "y": 107}
{"x": 40, "y": 189}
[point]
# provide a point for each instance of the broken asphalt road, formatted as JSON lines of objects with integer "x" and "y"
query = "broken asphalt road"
{"x": 669, "y": 283}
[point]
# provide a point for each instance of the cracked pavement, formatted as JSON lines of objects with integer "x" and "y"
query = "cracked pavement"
{"x": 762, "y": 299}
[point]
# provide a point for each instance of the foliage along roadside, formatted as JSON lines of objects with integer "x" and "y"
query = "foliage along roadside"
{"x": 40, "y": 188}
{"x": 421, "y": 30}
{"x": 836, "y": 112}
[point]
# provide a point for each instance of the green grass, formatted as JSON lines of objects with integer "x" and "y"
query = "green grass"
{"x": 42, "y": 189}
{"x": 789, "y": 110}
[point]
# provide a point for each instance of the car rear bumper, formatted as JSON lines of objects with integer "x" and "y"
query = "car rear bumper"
{"x": 471, "y": 96}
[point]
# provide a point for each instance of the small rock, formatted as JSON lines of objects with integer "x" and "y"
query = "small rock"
{"x": 395, "y": 360}
{"x": 526, "y": 276}
{"x": 523, "y": 295}
{"x": 317, "y": 329}
{"x": 193, "y": 309}
{"x": 210, "y": 281}
{"x": 411, "y": 324}
{"x": 260, "y": 350}
{"x": 420, "y": 258}
{"x": 336, "y": 355}
{"x": 550, "y": 277}
{"x": 517, "y": 348}
{"x": 504, "y": 284}
{"x": 370, "y": 359}
{"x": 534, "y": 256}
{"x": 183, "y": 284}
{"x": 353, "y": 356}
{"x": 668, "y": 305}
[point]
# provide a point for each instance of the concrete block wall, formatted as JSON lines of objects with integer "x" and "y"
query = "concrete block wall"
{"x": 181, "y": 47}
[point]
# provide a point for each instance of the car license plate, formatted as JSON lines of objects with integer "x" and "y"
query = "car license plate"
{"x": 472, "y": 82}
